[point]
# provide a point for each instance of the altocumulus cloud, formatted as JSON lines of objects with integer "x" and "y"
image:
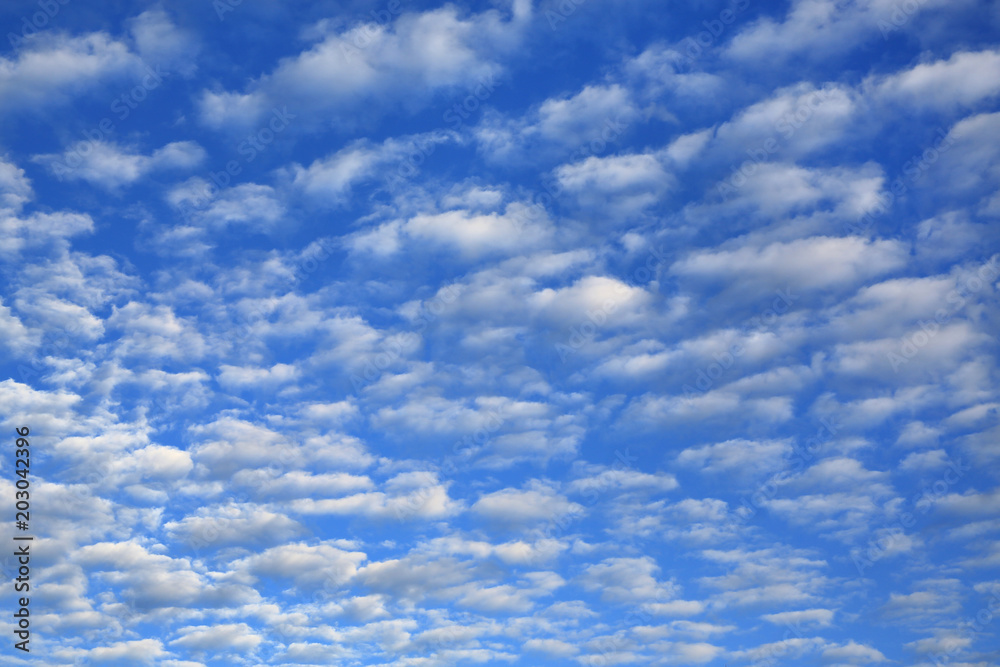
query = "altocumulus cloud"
{"x": 508, "y": 332}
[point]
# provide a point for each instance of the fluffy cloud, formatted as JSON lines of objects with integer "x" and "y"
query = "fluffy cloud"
{"x": 416, "y": 53}
{"x": 110, "y": 167}
{"x": 540, "y": 331}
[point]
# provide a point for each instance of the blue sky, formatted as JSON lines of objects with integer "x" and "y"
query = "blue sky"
{"x": 516, "y": 332}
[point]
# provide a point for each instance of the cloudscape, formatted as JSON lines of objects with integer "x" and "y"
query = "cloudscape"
{"x": 508, "y": 332}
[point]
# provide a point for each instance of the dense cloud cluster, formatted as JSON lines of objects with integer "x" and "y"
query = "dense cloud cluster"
{"x": 518, "y": 332}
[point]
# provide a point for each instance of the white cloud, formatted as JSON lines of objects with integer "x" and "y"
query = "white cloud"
{"x": 54, "y": 69}
{"x": 233, "y": 636}
{"x": 237, "y": 377}
{"x": 539, "y": 502}
{"x": 968, "y": 160}
{"x": 300, "y": 484}
{"x": 405, "y": 62}
{"x": 140, "y": 651}
{"x": 159, "y": 41}
{"x": 155, "y": 332}
{"x": 63, "y": 315}
{"x": 16, "y": 337}
{"x": 694, "y": 654}
{"x": 619, "y": 302}
{"x": 320, "y": 566}
{"x": 41, "y": 231}
{"x": 854, "y": 653}
{"x": 962, "y": 80}
{"x": 776, "y": 577}
{"x": 15, "y": 187}
{"x": 598, "y": 481}
{"x": 227, "y": 525}
{"x": 970, "y": 503}
{"x": 407, "y": 495}
{"x": 818, "y": 29}
{"x": 473, "y": 234}
{"x": 555, "y": 648}
{"x": 588, "y": 121}
{"x": 812, "y": 263}
{"x": 620, "y": 185}
{"x": 820, "y": 617}
{"x": 157, "y": 581}
{"x": 922, "y": 461}
{"x": 716, "y": 404}
{"x": 627, "y": 580}
{"x": 110, "y": 167}
{"x": 226, "y": 445}
{"x": 325, "y": 413}
{"x": 736, "y": 456}
{"x": 331, "y": 179}
{"x": 795, "y": 121}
